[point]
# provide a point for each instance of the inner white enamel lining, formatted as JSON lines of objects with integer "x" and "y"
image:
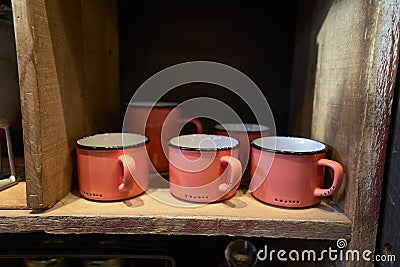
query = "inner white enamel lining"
{"x": 108, "y": 140}
{"x": 239, "y": 127}
{"x": 289, "y": 144}
{"x": 204, "y": 142}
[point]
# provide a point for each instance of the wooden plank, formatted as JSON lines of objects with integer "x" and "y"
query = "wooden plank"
{"x": 357, "y": 65}
{"x": 390, "y": 227}
{"x": 241, "y": 215}
{"x": 46, "y": 66}
{"x": 55, "y": 92}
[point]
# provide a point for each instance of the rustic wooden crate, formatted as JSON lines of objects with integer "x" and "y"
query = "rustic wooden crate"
{"x": 346, "y": 58}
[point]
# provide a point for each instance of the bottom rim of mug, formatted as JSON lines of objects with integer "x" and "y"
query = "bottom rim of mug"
{"x": 221, "y": 199}
{"x": 105, "y": 199}
{"x": 277, "y": 205}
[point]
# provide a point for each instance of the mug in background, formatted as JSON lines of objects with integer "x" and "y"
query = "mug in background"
{"x": 245, "y": 133}
{"x": 289, "y": 171}
{"x": 150, "y": 119}
{"x": 204, "y": 168}
{"x": 112, "y": 166}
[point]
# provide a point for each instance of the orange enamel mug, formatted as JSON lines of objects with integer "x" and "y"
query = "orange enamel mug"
{"x": 112, "y": 166}
{"x": 204, "y": 168}
{"x": 245, "y": 133}
{"x": 289, "y": 171}
{"x": 160, "y": 122}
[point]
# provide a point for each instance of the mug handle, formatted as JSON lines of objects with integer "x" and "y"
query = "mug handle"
{"x": 197, "y": 123}
{"x": 337, "y": 178}
{"x": 126, "y": 180}
{"x": 235, "y": 171}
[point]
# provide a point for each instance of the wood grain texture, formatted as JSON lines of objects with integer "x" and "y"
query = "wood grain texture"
{"x": 45, "y": 136}
{"x": 390, "y": 227}
{"x": 14, "y": 197}
{"x": 54, "y": 92}
{"x": 358, "y": 46}
{"x": 239, "y": 216}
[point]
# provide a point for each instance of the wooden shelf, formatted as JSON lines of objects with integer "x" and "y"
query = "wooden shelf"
{"x": 13, "y": 197}
{"x": 241, "y": 215}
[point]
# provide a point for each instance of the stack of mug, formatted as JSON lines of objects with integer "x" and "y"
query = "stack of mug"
{"x": 284, "y": 171}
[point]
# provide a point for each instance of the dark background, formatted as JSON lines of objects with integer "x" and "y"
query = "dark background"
{"x": 255, "y": 38}
{"x": 193, "y": 251}
{"x": 16, "y": 128}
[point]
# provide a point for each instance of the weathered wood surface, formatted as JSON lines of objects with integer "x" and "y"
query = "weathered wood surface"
{"x": 358, "y": 45}
{"x": 14, "y": 197}
{"x": 390, "y": 227}
{"x": 57, "y": 87}
{"x": 241, "y": 215}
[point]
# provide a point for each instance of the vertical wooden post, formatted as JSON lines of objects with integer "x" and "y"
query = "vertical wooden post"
{"x": 358, "y": 52}
{"x": 57, "y": 90}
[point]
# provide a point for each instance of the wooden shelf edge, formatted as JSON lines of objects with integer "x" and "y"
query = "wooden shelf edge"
{"x": 249, "y": 218}
{"x": 175, "y": 226}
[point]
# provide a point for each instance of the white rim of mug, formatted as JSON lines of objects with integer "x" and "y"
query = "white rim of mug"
{"x": 192, "y": 148}
{"x": 261, "y": 128}
{"x": 149, "y": 104}
{"x": 288, "y": 152}
{"x": 117, "y": 147}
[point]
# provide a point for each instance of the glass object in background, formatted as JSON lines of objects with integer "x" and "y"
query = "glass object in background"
{"x": 55, "y": 262}
{"x": 116, "y": 262}
{"x": 9, "y": 92}
{"x": 241, "y": 253}
{"x": 5, "y": 10}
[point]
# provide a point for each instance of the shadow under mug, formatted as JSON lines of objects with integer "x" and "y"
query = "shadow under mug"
{"x": 289, "y": 171}
{"x": 160, "y": 122}
{"x": 112, "y": 166}
{"x": 245, "y": 133}
{"x": 204, "y": 168}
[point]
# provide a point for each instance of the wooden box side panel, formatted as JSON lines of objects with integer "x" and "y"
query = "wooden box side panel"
{"x": 55, "y": 92}
{"x": 357, "y": 63}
